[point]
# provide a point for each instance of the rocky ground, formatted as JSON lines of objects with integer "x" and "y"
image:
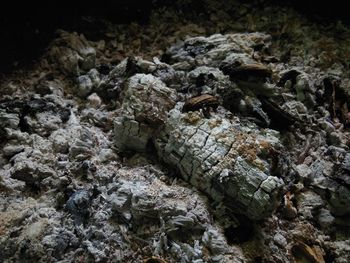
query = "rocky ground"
{"x": 217, "y": 137}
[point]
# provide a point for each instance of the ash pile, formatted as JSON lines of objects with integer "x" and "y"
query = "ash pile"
{"x": 220, "y": 150}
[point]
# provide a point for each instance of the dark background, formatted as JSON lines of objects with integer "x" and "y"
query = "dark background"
{"x": 26, "y": 27}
